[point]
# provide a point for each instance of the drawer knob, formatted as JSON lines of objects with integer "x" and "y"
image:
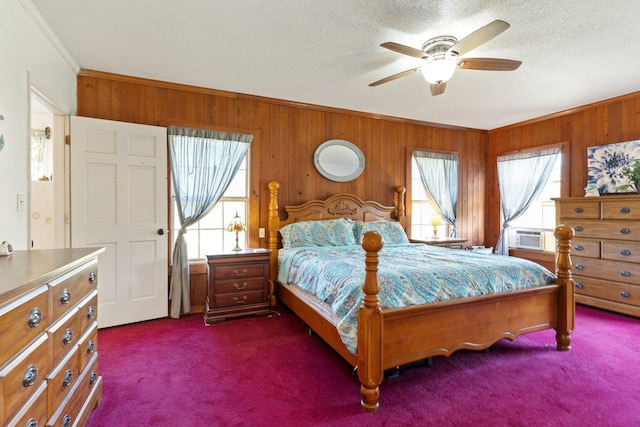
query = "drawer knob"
{"x": 240, "y": 301}
{"x": 68, "y": 336}
{"x": 625, "y": 294}
{"x": 579, "y": 210}
{"x": 93, "y": 378}
{"x": 91, "y": 312}
{"x": 30, "y": 376}
{"x": 92, "y": 277}
{"x": 625, "y": 231}
{"x": 35, "y": 317}
{"x": 68, "y": 378}
{"x": 65, "y": 296}
{"x": 625, "y": 273}
{"x": 32, "y": 423}
{"x": 625, "y": 252}
{"x": 579, "y": 285}
{"x": 239, "y": 286}
{"x": 625, "y": 210}
{"x": 237, "y": 273}
{"x": 580, "y": 266}
{"x": 579, "y": 248}
{"x": 91, "y": 346}
{"x": 579, "y": 228}
{"x": 66, "y": 421}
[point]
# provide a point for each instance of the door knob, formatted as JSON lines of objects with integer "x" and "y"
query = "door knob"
{"x": 160, "y": 231}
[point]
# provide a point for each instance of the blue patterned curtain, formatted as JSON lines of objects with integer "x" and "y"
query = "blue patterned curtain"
{"x": 203, "y": 163}
{"x": 439, "y": 175}
{"x": 521, "y": 178}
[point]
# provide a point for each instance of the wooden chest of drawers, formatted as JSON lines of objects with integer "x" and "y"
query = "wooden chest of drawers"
{"x": 48, "y": 337}
{"x": 606, "y": 249}
{"x": 238, "y": 284}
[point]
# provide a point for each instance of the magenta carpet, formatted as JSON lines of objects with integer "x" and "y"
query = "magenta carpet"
{"x": 270, "y": 372}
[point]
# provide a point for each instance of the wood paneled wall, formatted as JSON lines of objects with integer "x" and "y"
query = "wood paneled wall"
{"x": 286, "y": 135}
{"x": 607, "y": 122}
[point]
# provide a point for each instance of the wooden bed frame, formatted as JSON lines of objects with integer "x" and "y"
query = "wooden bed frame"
{"x": 393, "y": 337}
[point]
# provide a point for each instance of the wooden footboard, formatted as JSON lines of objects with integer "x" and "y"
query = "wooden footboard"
{"x": 388, "y": 338}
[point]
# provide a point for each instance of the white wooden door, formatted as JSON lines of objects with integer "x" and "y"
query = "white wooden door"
{"x": 119, "y": 201}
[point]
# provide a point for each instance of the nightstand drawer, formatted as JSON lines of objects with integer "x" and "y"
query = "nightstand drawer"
{"x": 228, "y": 286}
{"x": 239, "y": 299}
{"x": 238, "y": 271}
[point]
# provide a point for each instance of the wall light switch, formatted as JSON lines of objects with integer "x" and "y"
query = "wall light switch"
{"x": 20, "y": 202}
{"x": 261, "y": 233}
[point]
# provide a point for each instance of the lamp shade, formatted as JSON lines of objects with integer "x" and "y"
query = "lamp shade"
{"x": 438, "y": 70}
{"x": 436, "y": 220}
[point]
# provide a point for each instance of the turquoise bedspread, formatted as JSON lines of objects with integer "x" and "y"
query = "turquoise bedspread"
{"x": 408, "y": 274}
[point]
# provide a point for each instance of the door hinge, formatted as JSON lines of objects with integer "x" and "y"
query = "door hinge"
{"x": 67, "y": 139}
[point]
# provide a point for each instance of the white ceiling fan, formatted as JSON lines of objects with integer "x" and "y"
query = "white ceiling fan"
{"x": 443, "y": 54}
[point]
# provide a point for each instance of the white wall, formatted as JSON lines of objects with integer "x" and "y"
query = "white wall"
{"x": 28, "y": 56}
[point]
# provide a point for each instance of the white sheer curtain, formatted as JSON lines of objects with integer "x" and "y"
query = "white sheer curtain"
{"x": 521, "y": 178}
{"x": 439, "y": 175}
{"x": 203, "y": 163}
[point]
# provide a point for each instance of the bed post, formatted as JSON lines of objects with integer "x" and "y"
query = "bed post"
{"x": 370, "y": 371}
{"x": 274, "y": 225}
{"x": 398, "y": 201}
{"x": 566, "y": 301}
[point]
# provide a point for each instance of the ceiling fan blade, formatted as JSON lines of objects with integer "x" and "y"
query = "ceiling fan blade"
{"x": 490, "y": 64}
{"x": 438, "y": 88}
{"x": 479, "y": 37}
{"x": 395, "y": 76}
{"x": 405, "y": 50}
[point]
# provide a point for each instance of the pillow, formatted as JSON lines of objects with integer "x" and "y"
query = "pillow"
{"x": 391, "y": 231}
{"x": 330, "y": 232}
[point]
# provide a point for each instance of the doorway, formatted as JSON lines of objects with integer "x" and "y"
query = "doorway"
{"x": 48, "y": 205}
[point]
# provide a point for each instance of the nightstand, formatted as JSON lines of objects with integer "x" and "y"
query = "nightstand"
{"x": 445, "y": 242}
{"x": 238, "y": 285}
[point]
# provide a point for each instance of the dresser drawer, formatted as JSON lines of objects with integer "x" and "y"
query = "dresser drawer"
{"x": 34, "y": 411}
{"x": 64, "y": 335}
{"x": 22, "y": 319}
{"x": 617, "y": 271}
{"x": 70, "y": 288}
{"x": 621, "y": 209}
{"x": 88, "y": 345}
{"x": 587, "y": 209}
{"x": 22, "y": 375}
{"x": 90, "y": 387}
{"x": 62, "y": 379}
{"x": 239, "y": 299}
{"x": 594, "y": 229}
{"x": 586, "y": 247}
{"x": 621, "y": 251}
{"x": 618, "y": 292}
{"x": 229, "y": 286}
{"x": 88, "y": 311}
{"x": 239, "y": 271}
{"x": 70, "y": 412}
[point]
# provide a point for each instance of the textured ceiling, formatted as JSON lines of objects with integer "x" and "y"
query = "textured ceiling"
{"x": 574, "y": 52}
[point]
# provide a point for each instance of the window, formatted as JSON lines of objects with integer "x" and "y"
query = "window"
{"x": 540, "y": 215}
{"x": 422, "y": 209}
{"x": 210, "y": 235}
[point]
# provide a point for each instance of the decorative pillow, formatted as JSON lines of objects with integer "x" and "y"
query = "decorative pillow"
{"x": 391, "y": 231}
{"x": 330, "y": 232}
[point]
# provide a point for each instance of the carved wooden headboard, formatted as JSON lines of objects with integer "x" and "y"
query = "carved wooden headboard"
{"x": 336, "y": 206}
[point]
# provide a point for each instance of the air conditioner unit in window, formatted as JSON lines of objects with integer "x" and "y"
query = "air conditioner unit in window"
{"x": 529, "y": 239}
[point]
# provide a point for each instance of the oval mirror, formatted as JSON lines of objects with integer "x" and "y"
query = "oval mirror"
{"x": 339, "y": 160}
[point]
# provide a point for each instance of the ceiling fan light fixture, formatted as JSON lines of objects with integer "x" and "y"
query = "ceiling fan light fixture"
{"x": 439, "y": 70}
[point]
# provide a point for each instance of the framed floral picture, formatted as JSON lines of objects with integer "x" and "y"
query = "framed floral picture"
{"x": 607, "y": 163}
